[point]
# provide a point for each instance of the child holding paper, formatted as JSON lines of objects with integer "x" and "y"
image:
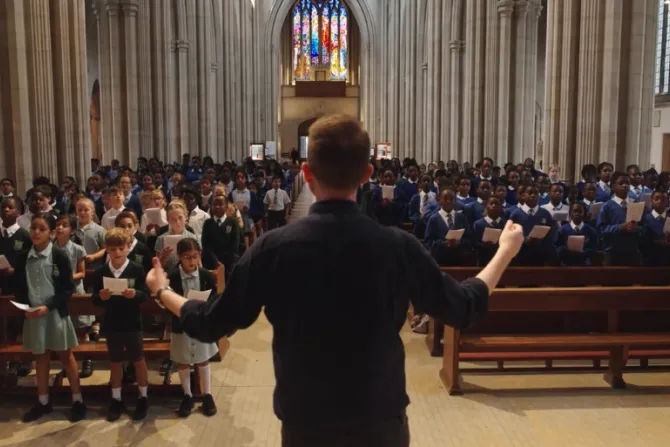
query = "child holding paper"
{"x": 176, "y": 214}
{"x": 447, "y": 252}
{"x": 637, "y": 189}
{"x": 491, "y": 225}
{"x": 571, "y": 250}
{"x": 122, "y": 323}
{"x": 656, "y": 245}
{"x": 154, "y": 217}
{"x": 475, "y": 210}
{"x": 512, "y": 184}
{"x": 221, "y": 237}
{"x": 388, "y": 211}
{"x": 139, "y": 252}
{"x": 538, "y": 247}
{"x": 419, "y": 204}
{"x": 559, "y": 211}
{"x": 115, "y": 196}
{"x": 243, "y": 199}
{"x": 620, "y": 238}
{"x": 185, "y": 351}
{"x": 44, "y": 282}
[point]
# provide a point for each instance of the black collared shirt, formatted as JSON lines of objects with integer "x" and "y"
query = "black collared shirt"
{"x": 336, "y": 287}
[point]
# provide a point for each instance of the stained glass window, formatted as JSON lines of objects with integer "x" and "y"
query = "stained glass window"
{"x": 320, "y": 38}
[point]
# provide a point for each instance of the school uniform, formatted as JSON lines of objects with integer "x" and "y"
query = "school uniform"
{"x": 560, "y": 208}
{"x": 543, "y": 199}
{"x": 172, "y": 260}
{"x": 591, "y": 240}
{"x": 221, "y": 243}
{"x": 510, "y": 196}
{"x": 620, "y": 247}
{"x": 46, "y": 280}
{"x": 184, "y": 349}
{"x": 249, "y": 199}
{"x": 391, "y": 215}
{"x": 474, "y": 183}
{"x": 196, "y": 220}
{"x": 603, "y": 191}
{"x": 653, "y": 253}
{"x": 465, "y": 201}
{"x": 132, "y": 203}
{"x": 403, "y": 193}
{"x": 436, "y": 232}
{"x": 417, "y": 211}
{"x": 277, "y": 201}
{"x": 635, "y": 192}
{"x": 122, "y": 322}
{"x": 108, "y": 220}
{"x": 92, "y": 237}
{"x": 543, "y": 250}
{"x": 485, "y": 252}
{"x": 15, "y": 243}
{"x": 139, "y": 253}
{"x": 474, "y": 211}
{"x": 75, "y": 253}
{"x": 24, "y": 220}
{"x": 140, "y": 237}
{"x": 194, "y": 175}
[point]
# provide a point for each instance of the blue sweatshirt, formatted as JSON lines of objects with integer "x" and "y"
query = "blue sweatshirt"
{"x": 591, "y": 240}
{"x": 611, "y": 219}
{"x": 654, "y": 253}
{"x": 543, "y": 250}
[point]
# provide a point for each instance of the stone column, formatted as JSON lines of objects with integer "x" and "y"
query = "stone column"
{"x": 145, "y": 91}
{"x": 192, "y": 75}
{"x": 505, "y": 9}
{"x": 564, "y": 150}
{"x": 534, "y": 8}
{"x": 456, "y": 46}
{"x": 480, "y": 43}
{"x": 182, "y": 98}
{"x": 445, "y": 81}
{"x": 132, "y": 139}
{"x": 469, "y": 62}
{"x": 158, "y": 78}
{"x": 491, "y": 80}
{"x": 115, "y": 81}
{"x": 519, "y": 85}
{"x": 80, "y": 94}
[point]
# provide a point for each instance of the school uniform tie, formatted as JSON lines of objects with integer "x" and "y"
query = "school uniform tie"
{"x": 450, "y": 221}
{"x": 624, "y": 205}
{"x": 5, "y": 235}
{"x": 531, "y": 212}
{"x": 220, "y": 222}
{"x": 274, "y": 201}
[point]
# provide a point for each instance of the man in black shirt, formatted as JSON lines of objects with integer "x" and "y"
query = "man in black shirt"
{"x": 338, "y": 356}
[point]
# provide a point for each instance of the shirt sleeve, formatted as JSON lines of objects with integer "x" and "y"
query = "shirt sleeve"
{"x": 459, "y": 305}
{"x": 237, "y": 308}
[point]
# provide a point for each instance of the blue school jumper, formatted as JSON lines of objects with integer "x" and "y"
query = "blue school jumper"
{"x": 475, "y": 182}
{"x": 593, "y": 222}
{"x": 474, "y": 211}
{"x": 391, "y": 215}
{"x": 543, "y": 251}
{"x": 405, "y": 190}
{"x": 591, "y": 240}
{"x": 436, "y": 232}
{"x": 603, "y": 192}
{"x": 616, "y": 242}
{"x": 465, "y": 201}
{"x": 635, "y": 194}
{"x": 419, "y": 201}
{"x": 510, "y": 197}
{"x": 543, "y": 199}
{"x": 485, "y": 252}
{"x": 653, "y": 253}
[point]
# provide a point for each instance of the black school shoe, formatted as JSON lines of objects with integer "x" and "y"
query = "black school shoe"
{"x": 37, "y": 412}
{"x": 86, "y": 369}
{"x": 141, "y": 409}
{"x": 116, "y": 409}
{"x": 208, "y": 405}
{"x": 78, "y": 412}
{"x": 186, "y": 407}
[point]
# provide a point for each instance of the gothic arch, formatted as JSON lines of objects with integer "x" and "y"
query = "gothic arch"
{"x": 368, "y": 63}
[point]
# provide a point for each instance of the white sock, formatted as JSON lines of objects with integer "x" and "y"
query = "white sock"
{"x": 116, "y": 393}
{"x": 143, "y": 390}
{"x": 76, "y": 397}
{"x": 43, "y": 398}
{"x": 205, "y": 379}
{"x": 185, "y": 377}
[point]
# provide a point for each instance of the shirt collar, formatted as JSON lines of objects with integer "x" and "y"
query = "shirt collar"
{"x": 480, "y": 200}
{"x": 196, "y": 211}
{"x": 193, "y": 275}
{"x": 334, "y": 206}
{"x": 587, "y": 202}
{"x": 526, "y": 208}
{"x": 411, "y": 182}
{"x": 129, "y": 196}
{"x": 489, "y": 178}
{"x": 603, "y": 185}
{"x": 577, "y": 227}
{"x": 132, "y": 246}
{"x": 43, "y": 254}
{"x": 491, "y": 221}
{"x": 444, "y": 214}
{"x": 11, "y": 230}
{"x": 555, "y": 208}
{"x": 511, "y": 188}
{"x": 618, "y": 200}
{"x": 656, "y": 215}
{"x": 118, "y": 272}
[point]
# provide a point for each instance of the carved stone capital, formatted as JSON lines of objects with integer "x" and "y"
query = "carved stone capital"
{"x": 214, "y": 66}
{"x": 506, "y": 7}
{"x": 130, "y": 8}
{"x": 182, "y": 45}
{"x": 456, "y": 45}
{"x": 112, "y": 7}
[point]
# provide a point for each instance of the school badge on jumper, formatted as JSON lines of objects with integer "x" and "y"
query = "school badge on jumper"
{"x": 18, "y": 245}
{"x": 131, "y": 283}
{"x": 56, "y": 272}
{"x": 544, "y": 221}
{"x": 229, "y": 229}
{"x": 139, "y": 259}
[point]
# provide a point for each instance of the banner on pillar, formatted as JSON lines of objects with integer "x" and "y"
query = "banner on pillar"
{"x": 384, "y": 151}
{"x": 270, "y": 150}
{"x": 257, "y": 151}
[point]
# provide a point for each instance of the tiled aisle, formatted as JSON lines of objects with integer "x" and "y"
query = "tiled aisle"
{"x": 514, "y": 415}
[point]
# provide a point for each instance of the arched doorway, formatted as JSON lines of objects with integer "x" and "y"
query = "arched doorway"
{"x": 303, "y": 132}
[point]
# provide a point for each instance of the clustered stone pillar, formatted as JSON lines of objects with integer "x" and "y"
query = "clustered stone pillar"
{"x": 599, "y": 91}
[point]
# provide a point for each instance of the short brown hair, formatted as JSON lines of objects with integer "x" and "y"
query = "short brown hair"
{"x": 339, "y": 151}
{"x": 117, "y": 237}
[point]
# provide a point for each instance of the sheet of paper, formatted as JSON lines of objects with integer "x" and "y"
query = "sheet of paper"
{"x": 4, "y": 263}
{"x": 666, "y": 227}
{"x": 240, "y": 204}
{"x": 23, "y": 307}
{"x": 198, "y": 295}
{"x": 539, "y": 232}
{"x": 115, "y": 285}
{"x": 154, "y": 216}
{"x": 171, "y": 241}
{"x": 387, "y": 192}
{"x": 594, "y": 210}
{"x": 634, "y": 211}
{"x": 560, "y": 216}
{"x": 576, "y": 243}
{"x": 491, "y": 235}
{"x": 455, "y": 235}
{"x": 646, "y": 199}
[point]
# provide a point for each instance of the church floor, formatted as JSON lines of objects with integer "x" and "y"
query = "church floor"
{"x": 501, "y": 410}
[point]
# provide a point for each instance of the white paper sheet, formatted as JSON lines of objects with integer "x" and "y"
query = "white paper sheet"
{"x": 115, "y": 285}
{"x": 4, "y": 263}
{"x": 491, "y": 235}
{"x": 154, "y": 216}
{"x": 23, "y": 307}
{"x": 560, "y": 216}
{"x": 634, "y": 211}
{"x": 576, "y": 243}
{"x": 666, "y": 227}
{"x": 594, "y": 209}
{"x": 198, "y": 295}
{"x": 539, "y": 232}
{"x": 387, "y": 192}
{"x": 171, "y": 241}
{"x": 240, "y": 204}
{"x": 455, "y": 235}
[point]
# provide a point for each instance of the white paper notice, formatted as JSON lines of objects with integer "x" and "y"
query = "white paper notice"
{"x": 666, "y": 227}
{"x": 576, "y": 243}
{"x": 4, "y": 263}
{"x": 23, "y": 307}
{"x": 560, "y": 216}
{"x": 171, "y": 241}
{"x": 634, "y": 211}
{"x": 491, "y": 235}
{"x": 154, "y": 216}
{"x": 594, "y": 209}
{"x": 198, "y": 295}
{"x": 115, "y": 285}
{"x": 455, "y": 235}
{"x": 539, "y": 232}
{"x": 387, "y": 192}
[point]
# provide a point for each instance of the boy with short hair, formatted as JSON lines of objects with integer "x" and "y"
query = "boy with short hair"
{"x": 636, "y": 187}
{"x": 38, "y": 202}
{"x": 603, "y": 187}
{"x": 543, "y": 184}
{"x": 656, "y": 243}
{"x": 463, "y": 197}
{"x": 494, "y": 218}
{"x": 276, "y": 203}
{"x": 475, "y": 210}
{"x": 556, "y": 204}
{"x": 446, "y": 253}
{"x": 419, "y": 204}
{"x": 115, "y": 199}
{"x": 6, "y": 188}
{"x": 530, "y": 214}
{"x": 577, "y": 227}
{"x": 122, "y": 322}
{"x": 196, "y": 216}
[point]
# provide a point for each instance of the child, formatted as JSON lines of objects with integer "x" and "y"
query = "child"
{"x": 44, "y": 282}
{"x": 500, "y": 193}
{"x": 176, "y": 215}
{"x": 243, "y": 199}
{"x": 221, "y": 237}
{"x": 656, "y": 246}
{"x": 157, "y": 201}
{"x": 439, "y": 175}
{"x": 6, "y": 188}
{"x": 485, "y": 174}
{"x": 494, "y": 219}
{"x": 512, "y": 184}
{"x": 407, "y": 188}
{"x": 122, "y": 322}
{"x": 388, "y": 212}
{"x": 530, "y": 214}
{"x": 196, "y": 216}
{"x": 38, "y": 203}
{"x": 620, "y": 238}
{"x": 116, "y": 197}
{"x": 543, "y": 185}
{"x": 519, "y": 195}
{"x": 589, "y": 173}
{"x": 636, "y": 186}
{"x": 446, "y": 253}
{"x": 277, "y": 204}
{"x": 588, "y": 199}
{"x": 603, "y": 189}
{"x": 185, "y": 351}
{"x": 463, "y": 197}
{"x": 206, "y": 192}
{"x": 139, "y": 252}
{"x": 554, "y": 174}
{"x": 555, "y": 204}
{"x": 475, "y": 210}
{"x": 419, "y": 204}
{"x": 651, "y": 180}
{"x": 576, "y": 227}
